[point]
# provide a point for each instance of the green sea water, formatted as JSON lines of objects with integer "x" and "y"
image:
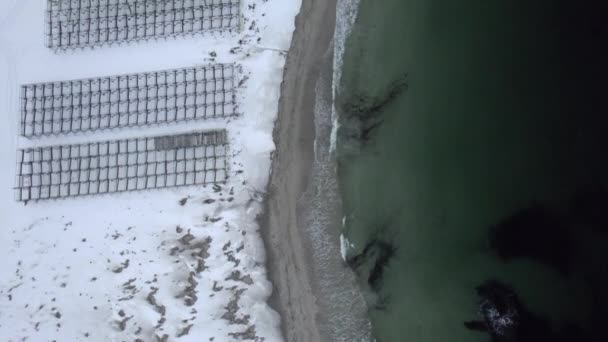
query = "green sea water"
{"x": 497, "y": 105}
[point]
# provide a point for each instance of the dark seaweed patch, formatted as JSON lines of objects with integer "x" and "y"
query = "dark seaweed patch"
{"x": 534, "y": 233}
{"x": 378, "y": 254}
{"x": 362, "y": 114}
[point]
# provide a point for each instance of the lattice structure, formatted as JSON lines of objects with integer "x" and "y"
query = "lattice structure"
{"x": 78, "y": 23}
{"x": 129, "y": 100}
{"x": 122, "y": 165}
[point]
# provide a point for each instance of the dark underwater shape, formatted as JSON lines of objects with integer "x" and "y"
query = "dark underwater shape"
{"x": 507, "y": 319}
{"x": 590, "y": 207}
{"x": 554, "y": 239}
{"x": 365, "y": 112}
{"x": 537, "y": 234}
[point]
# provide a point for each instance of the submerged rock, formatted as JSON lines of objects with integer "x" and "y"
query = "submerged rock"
{"x": 506, "y": 319}
{"x": 500, "y": 310}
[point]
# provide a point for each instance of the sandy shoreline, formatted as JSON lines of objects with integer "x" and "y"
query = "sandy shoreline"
{"x": 289, "y": 257}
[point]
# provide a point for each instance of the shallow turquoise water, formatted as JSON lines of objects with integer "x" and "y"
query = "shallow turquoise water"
{"x": 503, "y": 109}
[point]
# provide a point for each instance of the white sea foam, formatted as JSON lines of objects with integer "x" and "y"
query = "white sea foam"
{"x": 345, "y": 246}
{"x": 346, "y": 14}
{"x": 342, "y": 309}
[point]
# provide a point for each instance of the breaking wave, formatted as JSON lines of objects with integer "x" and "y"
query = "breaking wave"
{"x": 346, "y": 14}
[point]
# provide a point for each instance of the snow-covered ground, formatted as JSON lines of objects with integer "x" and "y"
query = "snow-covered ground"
{"x": 185, "y": 263}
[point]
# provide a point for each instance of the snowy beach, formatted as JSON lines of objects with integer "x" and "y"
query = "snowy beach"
{"x": 184, "y": 263}
{"x": 315, "y": 292}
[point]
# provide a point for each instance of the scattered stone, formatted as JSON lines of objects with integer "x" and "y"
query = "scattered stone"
{"x": 248, "y": 334}
{"x": 160, "y": 322}
{"x": 217, "y": 288}
{"x": 189, "y": 294}
{"x": 236, "y": 276}
{"x": 185, "y": 330}
{"x": 233, "y": 307}
{"x": 202, "y": 254}
{"x": 232, "y": 258}
{"x": 122, "y": 267}
{"x": 122, "y": 324}
{"x": 129, "y": 285}
{"x": 152, "y": 300}
{"x": 186, "y": 238}
{"x": 173, "y": 251}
